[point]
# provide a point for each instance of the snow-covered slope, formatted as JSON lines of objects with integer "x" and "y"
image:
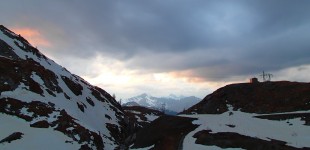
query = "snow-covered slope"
{"x": 268, "y": 115}
{"x": 230, "y": 130}
{"x": 171, "y": 102}
{"x": 249, "y": 129}
{"x": 37, "y": 92}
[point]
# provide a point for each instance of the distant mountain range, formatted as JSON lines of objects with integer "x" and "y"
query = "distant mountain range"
{"x": 171, "y": 103}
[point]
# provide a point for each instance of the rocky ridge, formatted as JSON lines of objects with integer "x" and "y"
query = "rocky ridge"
{"x": 45, "y": 95}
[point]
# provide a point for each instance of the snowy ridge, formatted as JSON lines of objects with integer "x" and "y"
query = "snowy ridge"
{"x": 143, "y": 99}
{"x": 19, "y": 49}
{"x": 35, "y": 77}
{"x": 175, "y": 97}
{"x": 293, "y": 132}
{"x": 172, "y": 102}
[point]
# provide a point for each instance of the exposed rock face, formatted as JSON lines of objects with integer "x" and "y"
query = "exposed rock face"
{"x": 12, "y": 137}
{"x": 141, "y": 116}
{"x": 47, "y": 96}
{"x": 261, "y": 98}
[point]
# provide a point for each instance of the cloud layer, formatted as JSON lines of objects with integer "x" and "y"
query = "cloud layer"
{"x": 201, "y": 40}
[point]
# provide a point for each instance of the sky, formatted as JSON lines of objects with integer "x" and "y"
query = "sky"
{"x": 164, "y": 47}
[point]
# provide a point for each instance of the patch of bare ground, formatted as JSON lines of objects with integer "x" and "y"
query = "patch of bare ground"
{"x": 235, "y": 140}
{"x": 165, "y": 132}
{"x": 303, "y": 116}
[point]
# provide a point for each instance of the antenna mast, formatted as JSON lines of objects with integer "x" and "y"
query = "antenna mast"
{"x": 266, "y": 76}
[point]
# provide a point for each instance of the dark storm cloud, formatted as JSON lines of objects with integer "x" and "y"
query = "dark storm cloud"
{"x": 214, "y": 39}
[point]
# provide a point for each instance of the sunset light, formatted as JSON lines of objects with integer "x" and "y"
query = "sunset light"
{"x": 33, "y": 36}
{"x": 154, "y": 74}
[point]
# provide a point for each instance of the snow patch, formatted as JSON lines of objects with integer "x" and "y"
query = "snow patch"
{"x": 151, "y": 117}
{"x": 145, "y": 148}
{"x": 36, "y": 78}
{"x": 33, "y": 138}
{"x": 296, "y": 134}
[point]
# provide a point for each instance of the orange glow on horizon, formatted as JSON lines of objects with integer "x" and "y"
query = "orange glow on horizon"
{"x": 33, "y": 36}
{"x": 188, "y": 76}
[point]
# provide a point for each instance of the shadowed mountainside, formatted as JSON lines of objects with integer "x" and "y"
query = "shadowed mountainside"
{"x": 261, "y": 98}
{"x": 35, "y": 92}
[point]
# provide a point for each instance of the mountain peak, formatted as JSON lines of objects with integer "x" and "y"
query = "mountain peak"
{"x": 175, "y": 97}
{"x": 172, "y": 102}
{"x": 144, "y": 95}
{"x": 42, "y": 94}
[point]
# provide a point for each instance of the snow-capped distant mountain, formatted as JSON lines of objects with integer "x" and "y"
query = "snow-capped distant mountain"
{"x": 44, "y": 105}
{"x": 171, "y": 102}
{"x": 175, "y": 97}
